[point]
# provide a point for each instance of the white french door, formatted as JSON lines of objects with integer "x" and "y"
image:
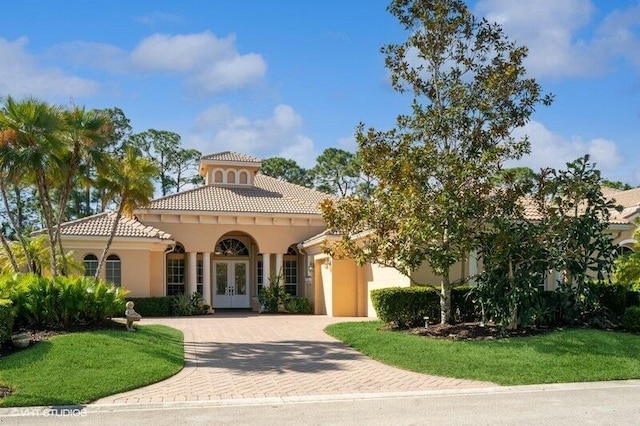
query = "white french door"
{"x": 231, "y": 284}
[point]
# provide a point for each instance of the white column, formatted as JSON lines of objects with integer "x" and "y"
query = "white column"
{"x": 192, "y": 280}
{"x": 266, "y": 268}
{"x": 206, "y": 278}
{"x": 279, "y": 257}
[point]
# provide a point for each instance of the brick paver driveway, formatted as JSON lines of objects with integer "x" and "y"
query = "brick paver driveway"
{"x": 244, "y": 355}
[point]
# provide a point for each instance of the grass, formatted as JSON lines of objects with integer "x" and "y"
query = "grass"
{"x": 80, "y": 367}
{"x": 572, "y": 355}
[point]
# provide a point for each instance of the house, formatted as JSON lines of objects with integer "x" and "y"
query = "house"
{"x": 228, "y": 237}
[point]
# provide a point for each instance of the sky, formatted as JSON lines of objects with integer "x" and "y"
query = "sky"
{"x": 291, "y": 78}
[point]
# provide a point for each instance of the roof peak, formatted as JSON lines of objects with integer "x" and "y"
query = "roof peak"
{"x": 231, "y": 156}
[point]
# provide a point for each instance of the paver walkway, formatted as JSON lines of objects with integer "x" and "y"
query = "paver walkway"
{"x": 245, "y": 355}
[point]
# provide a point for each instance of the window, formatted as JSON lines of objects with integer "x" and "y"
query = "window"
{"x": 218, "y": 176}
{"x": 199, "y": 275}
{"x": 231, "y": 247}
{"x": 260, "y": 275}
{"x": 290, "y": 271}
{"x": 175, "y": 271}
{"x": 175, "y": 276}
{"x": 542, "y": 283}
{"x": 90, "y": 265}
{"x": 623, "y": 251}
{"x": 113, "y": 269}
{"x": 243, "y": 178}
{"x": 231, "y": 176}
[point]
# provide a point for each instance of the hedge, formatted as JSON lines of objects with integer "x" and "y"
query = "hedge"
{"x": 153, "y": 306}
{"x": 405, "y": 306}
{"x": 631, "y": 318}
{"x": 7, "y": 317}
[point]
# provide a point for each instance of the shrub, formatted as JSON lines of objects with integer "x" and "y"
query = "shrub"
{"x": 405, "y": 307}
{"x": 631, "y": 318}
{"x": 612, "y": 298}
{"x": 463, "y": 305}
{"x": 153, "y": 306}
{"x": 298, "y": 305}
{"x": 184, "y": 305}
{"x": 7, "y": 317}
{"x": 632, "y": 298}
{"x": 273, "y": 295}
{"x": 62, "y": 301}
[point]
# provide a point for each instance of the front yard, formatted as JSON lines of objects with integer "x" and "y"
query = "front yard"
{"x": 80, "y": 367}
{"x": 569, "y": 355}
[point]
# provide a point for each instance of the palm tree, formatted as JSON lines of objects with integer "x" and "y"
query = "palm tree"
{"x": 85, "y": 133}
{"x": 128, "y": 182}
{"x": 31, "y": 153}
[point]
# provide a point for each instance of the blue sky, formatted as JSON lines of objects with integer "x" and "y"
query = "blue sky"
{"x": 291, "y": 78}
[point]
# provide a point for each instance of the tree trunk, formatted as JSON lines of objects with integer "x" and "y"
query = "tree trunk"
{"x": 17, "y": 226}
{"x": 110, "y": 240}
{"x": 445, "y": 299}
{"x": 47, "y": 210}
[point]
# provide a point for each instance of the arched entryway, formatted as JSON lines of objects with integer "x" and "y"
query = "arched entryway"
{"x": 231, "y": 273}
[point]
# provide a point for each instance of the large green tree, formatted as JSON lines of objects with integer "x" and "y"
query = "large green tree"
{"x": 575, "y": 219}
{"x": 176, "y": 165}
{"x": 127, "y": 181}
{"x": 435, "y": 171}
{"x": 337, "y": 172}
{"x": 287, "y": 170}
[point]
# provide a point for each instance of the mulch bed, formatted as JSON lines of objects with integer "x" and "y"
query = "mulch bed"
{"x": 474, "y": 331}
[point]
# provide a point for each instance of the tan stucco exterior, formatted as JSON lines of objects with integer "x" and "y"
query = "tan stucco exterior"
{"x": 270, "y": 218}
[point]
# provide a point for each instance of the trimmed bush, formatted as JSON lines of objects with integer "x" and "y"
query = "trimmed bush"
{"x": 153, "y": 306}
{"x": 631, "y": 319}
{"x": 7, "y": 317}
{"x": 406, "y": 307}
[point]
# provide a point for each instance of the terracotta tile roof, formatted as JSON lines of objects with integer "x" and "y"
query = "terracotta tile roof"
{"x": 99, "y": 225}
{"x": 231, "y": 157}
{"x": 268, "y": 195}
{"x": 629, "y": 198}
{"x": 531, "y": 211}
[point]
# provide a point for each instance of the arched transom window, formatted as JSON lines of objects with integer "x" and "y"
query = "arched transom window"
{"x": 231, "y": 247}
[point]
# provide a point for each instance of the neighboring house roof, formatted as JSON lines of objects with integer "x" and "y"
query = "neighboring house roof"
{"x": 231, "y": 156}
{"x": 99, "y": 225}
{"x": 628, "y": 198}
{"x": 267, "y": 195}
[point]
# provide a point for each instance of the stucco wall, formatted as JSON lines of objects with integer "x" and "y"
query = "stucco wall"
{"x": 270, "y": 238}
{"x": 135, "y": 264}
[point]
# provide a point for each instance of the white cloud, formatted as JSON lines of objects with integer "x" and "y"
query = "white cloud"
{"x": 551, "y": 150}
{"x": 22, "y": 75}
{"x": 98, "y": 55}
{"x": 562, "y": 36}
{"x": 210, "y": 64}
{"x": 548, "y": 28}
{"x": 219, "y": 129}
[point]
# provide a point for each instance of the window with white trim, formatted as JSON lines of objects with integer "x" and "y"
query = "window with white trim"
{"x": 113, "y": 270}
{"x": 290, "y": 271}
{"x": 90, "y": 265}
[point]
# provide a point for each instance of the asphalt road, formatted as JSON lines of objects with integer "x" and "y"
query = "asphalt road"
{"x": 602, "y": 403}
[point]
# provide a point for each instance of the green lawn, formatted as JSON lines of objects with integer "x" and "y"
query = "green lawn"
{"x": 573, "y": 355}
{"x": 81, "y": 367}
